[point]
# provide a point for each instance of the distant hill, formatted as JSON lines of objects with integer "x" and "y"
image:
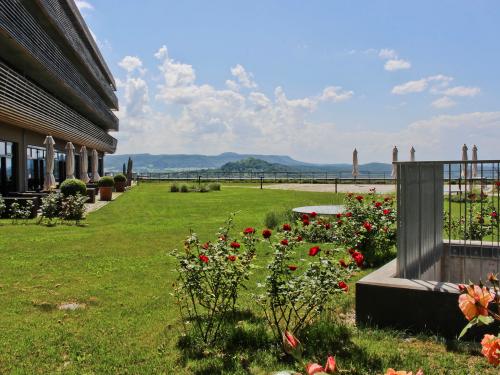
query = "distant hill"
{"x": 160, "y": 163}
{"x": 255, "y": 165}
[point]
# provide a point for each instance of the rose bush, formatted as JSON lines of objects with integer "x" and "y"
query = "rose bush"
{"x": 210, "y": 275}
{"x": 296, "y": 291}
{"x": 367, "y": 227}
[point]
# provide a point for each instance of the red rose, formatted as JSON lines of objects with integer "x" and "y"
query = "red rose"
{"x": 305, "y": 217}
{"x": 386, "y": 211}
{"x": 339, "y": 222}
{"x": 358, "y": 258}
{"x": 339, "y": 216}
{"x": 232, "y": 258}
{"x": 348, "y": 214}
{"x": 305, "y": 222}
{"x": 367, "y": 226}
{"x": 284, "y": 242}
{"x": 313, "y": 214}
{"x": 292, "y": 267}
{"x": 330, "y": 366}
{"x": 328, "y": 226}
{"x": 378, "y": 204}
{"x": 203, "y": 258}
{"x": 343, "y": 286}
{"x": 287, "y": 227}
{"x": 314, "y": 250}
{"x": 359, "y": 198}
{"x": 343, "y": 263}
{"x": 249, "y": 230}
{"x": 235, "y": 245}
{"x": 494, "y": 214}
{"x": 205, "y": 245}
{"x": 266, "y": 233}
{"x": 497, "y": 183}
{"x": 299, "y": 238}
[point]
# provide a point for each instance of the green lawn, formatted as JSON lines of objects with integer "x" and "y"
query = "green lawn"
{"x": 119, "y": 266}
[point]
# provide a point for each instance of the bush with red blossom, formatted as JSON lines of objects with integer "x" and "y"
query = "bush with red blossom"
{"x": 210, "y": 275}
{"x": 368, "y": 225}
{"x": 297, "y": 290}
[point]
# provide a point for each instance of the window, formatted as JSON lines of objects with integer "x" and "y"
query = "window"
{"x": 7, "y": 167}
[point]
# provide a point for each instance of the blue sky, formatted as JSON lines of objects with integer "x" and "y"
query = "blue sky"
{"x": 311, "y": 79}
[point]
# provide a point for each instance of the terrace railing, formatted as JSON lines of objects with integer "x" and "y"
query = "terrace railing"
{"x": 269, "y": 177}
{"x": 448, "y": 208}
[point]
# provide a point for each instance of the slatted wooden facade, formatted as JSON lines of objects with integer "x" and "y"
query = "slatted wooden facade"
{"x": 53, "y": 81}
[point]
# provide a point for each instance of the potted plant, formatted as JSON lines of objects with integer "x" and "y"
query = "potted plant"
{"x": 106, "y": 185}
{"x": 120, "y": 182}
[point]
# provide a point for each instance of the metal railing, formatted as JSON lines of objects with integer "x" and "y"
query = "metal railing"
{"x": 450, "y": 209}
{"x": 268, "y": 177}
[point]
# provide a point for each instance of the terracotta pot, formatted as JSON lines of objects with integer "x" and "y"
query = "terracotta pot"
{"x": 105, "y": 193}
{"x": 120, "y": 186}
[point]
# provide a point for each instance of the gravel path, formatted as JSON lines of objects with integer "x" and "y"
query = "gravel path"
{"x": 330, "y": 188}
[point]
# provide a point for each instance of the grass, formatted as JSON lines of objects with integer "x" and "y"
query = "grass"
{"x": 118, "y": 265}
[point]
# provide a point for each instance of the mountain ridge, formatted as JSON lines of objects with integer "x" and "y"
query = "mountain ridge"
{"x": 146, "y": 162}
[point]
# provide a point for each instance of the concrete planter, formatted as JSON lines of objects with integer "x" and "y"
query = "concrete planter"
{"x": 105, "y": 193}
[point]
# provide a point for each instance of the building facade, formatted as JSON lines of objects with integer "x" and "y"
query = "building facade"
{"x": 53, "y": 81}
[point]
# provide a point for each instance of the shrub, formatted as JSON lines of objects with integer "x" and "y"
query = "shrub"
{"x": 478, "y": 222}
{"x": 73, "y": 186}
{"x": 203, "y": 189}
{"x": 106, "y": 181}
{"x": 184, "y": 189}
{"x": 73, "y": 208}
{"x": 119, "y": 178}
{"x": 174, "y": 188}
{"x": 368, "y": 225}
{"x": 271, "y": 220}
{"x": 214, "y": 186}
{"x": 296, "y": 291}
{"x": 20, "y": 211}
{"x": 51, "y": 207}
{"x": 210, "y": 275}
{"x": 2, "y": 205}
{"x": 316, "y": 229}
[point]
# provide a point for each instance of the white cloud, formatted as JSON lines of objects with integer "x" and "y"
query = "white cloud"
{"x": 444, "y": 102}
{"x": 386, "y": 53}
{"x": 130, "y": 63}
{"x": 82, "y": 5}
{"x": 201, "y": 118}
{"x": 335, "y": 94}
{"x": 397, "y": 64}
{"x": 410, "y": 87}
{"x": 462, "y": 91}
{"x": 421, "y": 84}
{"x": 244, "y": 78}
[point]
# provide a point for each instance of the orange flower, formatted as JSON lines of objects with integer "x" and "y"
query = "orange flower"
{"x": 475, "y": 301}
{"x": 491, "y": 349}
{"x": 391, "y": 371}
{"x": 314, "y": 368}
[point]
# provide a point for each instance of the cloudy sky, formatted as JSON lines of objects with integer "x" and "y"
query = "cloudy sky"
{"x": 309, "y": 79}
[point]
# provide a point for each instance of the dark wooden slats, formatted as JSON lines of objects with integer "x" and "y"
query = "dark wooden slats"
{"x": 26, "y": 105}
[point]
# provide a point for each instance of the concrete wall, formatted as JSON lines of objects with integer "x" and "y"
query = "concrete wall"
{"x": 384, "y": 300}
{"x": 469, "y": 262}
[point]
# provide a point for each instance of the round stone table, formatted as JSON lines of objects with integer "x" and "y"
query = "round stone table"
{"x": 320, "y": 210}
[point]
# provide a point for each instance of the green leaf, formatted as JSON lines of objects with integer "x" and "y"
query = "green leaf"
{"x": 485, "y": 320}
{"x": 469, "y": 325}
